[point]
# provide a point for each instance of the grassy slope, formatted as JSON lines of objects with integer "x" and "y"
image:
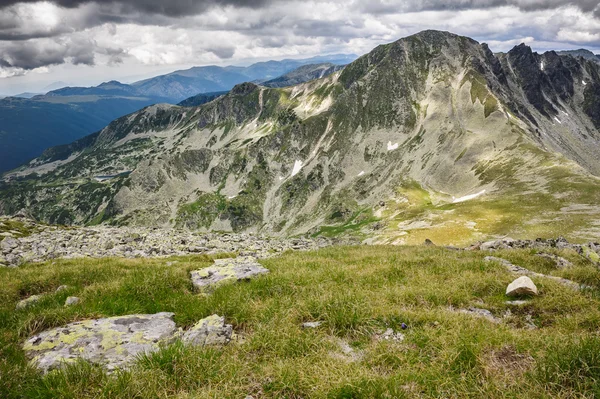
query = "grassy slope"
{"x": 354, "y": 291}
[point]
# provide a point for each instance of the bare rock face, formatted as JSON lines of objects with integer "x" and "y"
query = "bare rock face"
{"x": 226, "y": 270}
{"x": 521, "y": 286}
{"x": 112, "y": 342}
{"x": 209, "y": 331}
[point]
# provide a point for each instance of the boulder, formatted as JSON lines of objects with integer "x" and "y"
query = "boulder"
{"x": 521, "y": 286}
{"x": 113, "y": 342}
{"x": 209, "y": 331}
{"x": 226, "y": 270}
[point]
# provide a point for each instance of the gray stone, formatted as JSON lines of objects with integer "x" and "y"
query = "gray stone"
{"x": 112, "y": 342}
{"x": 25, "y": 303}
{"x": 483, "y": 313}
{"x": 391, "y": 335}
{"x": 521, "y": 286}
{"x": 517, "y": 303}
{"x": 312, "y": 324}
{"x": 72, "y": 300}
{"x": 61, "y": 288}
{"x": 526, "y": 272}
{"x": 8, "y": 244}
{"x": 209, "y": 331}
{"x": 560, "y": 262}
{"x": 226, "y": 270}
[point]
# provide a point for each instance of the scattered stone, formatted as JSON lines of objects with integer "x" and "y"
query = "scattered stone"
{"x": 504, "y": 243}
{"x": 526, "y": 272}
{"x": 224, "y": 270}
{"x": 517, "y": 303}
{"x": 312, "y": 324}
{"x": 529, "y": 324}
{"x": 483, "y": 313}
{"x": 25, "y": 303}
{"x": 521, "y": 286}
{"x": 72, "y": 300}
{"x": 112, "y": 342}
{"x": 61, "y": 288}
{"x": 428, "y": 242}
{"x": 590, "y": 252}
{"x": 8, "y": 244}
{"x": 51, "y": 242}
{"x": 209, "y": 331}
{"x": 348, "y": 353}
{"x": 560, "y": 262}
{"x": 390, "y": 335}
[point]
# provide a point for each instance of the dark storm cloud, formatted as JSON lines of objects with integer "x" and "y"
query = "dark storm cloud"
{"x": 387, "y": 7}
{"x": 31, "y": 55}
{"x": 171, "y": 8}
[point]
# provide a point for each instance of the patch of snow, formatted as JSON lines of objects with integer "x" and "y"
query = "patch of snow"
{"x": 468, "y": 197}
{"x": 558, "y": 120}
{"x": 583, "y": 83}
{"x": 565, "y": 113}
{"x": 361, "y": 173}
{"x": 542, "y": 65}
{"x": 280, "y": 178}
{"x": 392, "y": 147}
{"x": 297, "y": 168}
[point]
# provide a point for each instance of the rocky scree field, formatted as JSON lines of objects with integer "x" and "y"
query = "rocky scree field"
{"x": 338, "y": 322}
{"x": 432, "y": 136}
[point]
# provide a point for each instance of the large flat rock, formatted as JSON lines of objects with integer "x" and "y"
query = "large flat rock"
{"x": 226, "y": 270}
{"x": 112, "y": 342}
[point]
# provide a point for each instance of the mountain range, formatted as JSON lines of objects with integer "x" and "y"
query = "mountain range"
{"x": 32, "y": 123}
{"x": 432, "y": 136}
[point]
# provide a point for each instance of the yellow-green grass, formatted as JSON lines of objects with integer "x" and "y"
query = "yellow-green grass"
{"x": 355, "y": 292}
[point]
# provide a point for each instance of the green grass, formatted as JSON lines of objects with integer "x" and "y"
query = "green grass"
{"x": 354, "y": 291}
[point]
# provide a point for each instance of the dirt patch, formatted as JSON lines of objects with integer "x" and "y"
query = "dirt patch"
{"x": 506, "y": 365}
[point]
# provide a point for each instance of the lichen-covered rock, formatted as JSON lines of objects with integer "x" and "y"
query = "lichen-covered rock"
{"x": 521, "y": 286}
{"x": 560, "y": 262}
{"x": 227, "y": 270}
{"x": 25, "y": 303}
{"x": 113, "y": 342}
{"x": 209, "y": 331}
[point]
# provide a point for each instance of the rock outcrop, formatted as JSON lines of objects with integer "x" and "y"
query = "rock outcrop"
{"x": 115, "y": 342}
{"x": 226, "y": 270}
{"x": 209, "y": 331}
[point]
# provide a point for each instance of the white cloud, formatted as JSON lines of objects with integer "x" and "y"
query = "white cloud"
{"x": 44, "y": 35}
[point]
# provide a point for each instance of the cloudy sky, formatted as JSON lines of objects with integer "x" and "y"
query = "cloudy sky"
{"x": 85, "y": 42}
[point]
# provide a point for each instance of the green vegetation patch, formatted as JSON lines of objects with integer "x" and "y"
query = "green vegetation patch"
{"x": 356, "y": 292}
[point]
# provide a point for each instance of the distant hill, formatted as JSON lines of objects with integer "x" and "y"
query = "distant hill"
{"x": 303, "y": 74}
{"x": 183, "y": 84}
{"x": 26, "y": 95}
{"x": 30, "y": 125}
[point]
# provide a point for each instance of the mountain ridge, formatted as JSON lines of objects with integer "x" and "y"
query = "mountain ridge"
{"x": 430, "y": 135}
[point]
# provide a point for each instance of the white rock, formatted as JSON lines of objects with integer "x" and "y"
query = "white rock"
{"x": 521, "y": 286}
